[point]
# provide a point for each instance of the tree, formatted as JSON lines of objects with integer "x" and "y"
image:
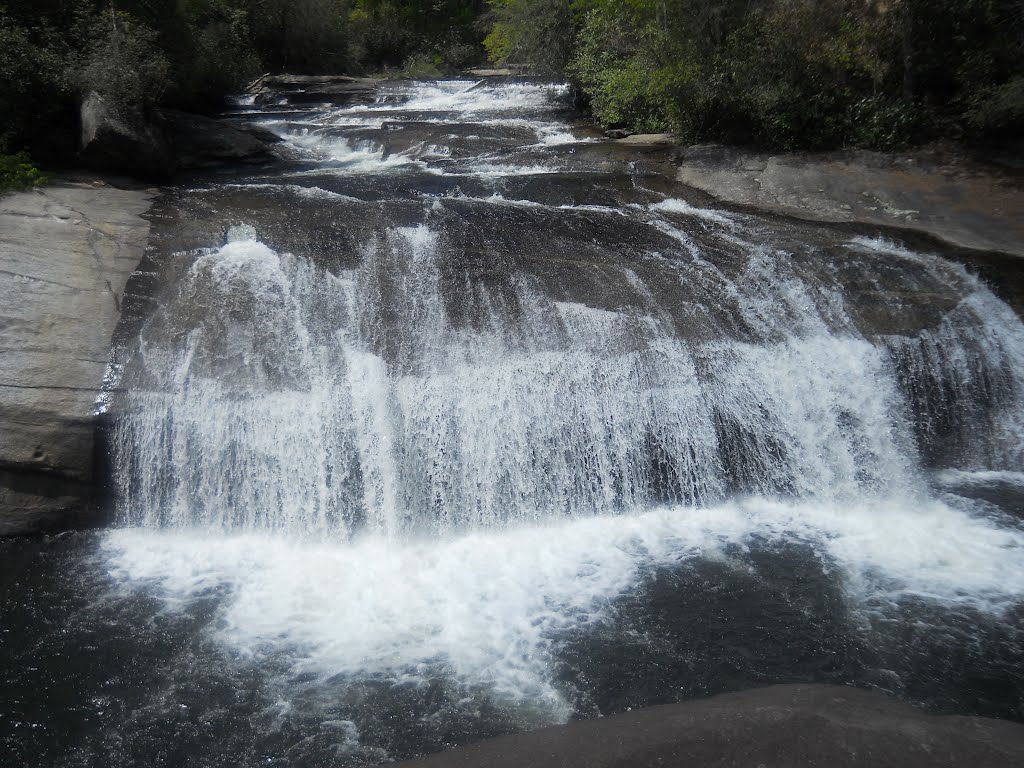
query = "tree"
{"x": 537, "y": 34}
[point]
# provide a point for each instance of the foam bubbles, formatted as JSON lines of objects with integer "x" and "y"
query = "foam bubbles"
{"x": 488, "y": 607}
{"x": 957, "y": 477}
{"x": 674, "y": 205}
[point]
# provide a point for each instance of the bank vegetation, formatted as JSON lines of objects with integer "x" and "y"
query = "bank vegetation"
{"x": 771, "y": 73}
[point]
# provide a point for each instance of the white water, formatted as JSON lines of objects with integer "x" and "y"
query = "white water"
{"x": 954, "y": 477}
{"x": 433, "y": 103}
{"x": 504, "y": 488}
{"x": 486, "y": 607}
{"x": 387, "y": 491}
{"x": 261, "y": 416}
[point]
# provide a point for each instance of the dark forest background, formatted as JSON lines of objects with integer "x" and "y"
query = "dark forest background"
{"x": 773, "y": 73}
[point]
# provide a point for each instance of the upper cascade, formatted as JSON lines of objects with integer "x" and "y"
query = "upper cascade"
{"x": 508, "y": 323}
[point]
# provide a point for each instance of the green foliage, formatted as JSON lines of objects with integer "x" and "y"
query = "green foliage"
{"x": 17, "y": 172}
{"x": 998, "y": 110}
{"x": 422, "y": 66}
{"x": 780, "y": 73}
{"x": 881, "y": 123}
{"x": 216, "y": 55}
{"x": 537, "y": 34}
{"x": 386, "y": 33}
{"x": 808, "y": 75}
{"x": 124, "y": 64}
{"x": 303, "y": 36}
{"x": 32, "y": 84}
{"x": 648, "y": 64}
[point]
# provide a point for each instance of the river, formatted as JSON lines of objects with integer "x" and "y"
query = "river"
{"x": 459, "y": 420}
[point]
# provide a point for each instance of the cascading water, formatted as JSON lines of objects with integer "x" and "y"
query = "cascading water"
{"x": 300, "y": 401}
{"x": 457, "y": 422}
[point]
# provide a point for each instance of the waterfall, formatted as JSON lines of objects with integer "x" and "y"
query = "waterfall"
{"x": 457, "y": 412}
{"x": 442, "y": 316}
{"x": 276, "y": 395}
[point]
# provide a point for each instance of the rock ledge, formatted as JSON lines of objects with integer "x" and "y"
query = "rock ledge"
{"x": 66, "y": 252}
{"x": 935, "y": 192}
{"x": 783, "y": 725}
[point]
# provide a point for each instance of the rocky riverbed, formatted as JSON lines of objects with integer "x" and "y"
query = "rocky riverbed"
{"x": 782, "y": 725}
{"x": 434, "y": 255}
{"x": 66, "y": 252}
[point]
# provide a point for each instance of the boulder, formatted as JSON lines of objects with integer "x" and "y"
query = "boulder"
{"x": 649, "y": 140}
{"x": 261, "y": 133}
{"x": 494, "y": 72}
{"x": 784, "y": 725}
{"x": 937, "y": 190}
{"x": 117, "y": 140}
{"x": 202, "y": 142}
{"x": 314, "y": 89}
{"x": 66, "y": 252}
{"x": 156, "y": 146}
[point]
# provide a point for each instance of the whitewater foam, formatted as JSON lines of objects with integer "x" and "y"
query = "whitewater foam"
{"x": 348, "y": 156}
{"x": 488, "y": 607}
{"x": 675, "y": 205}
{"x": 959, "y": 477}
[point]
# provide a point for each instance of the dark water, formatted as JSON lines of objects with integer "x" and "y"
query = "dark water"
{"x": 456, "y": 422}
{"x": 97, "y": 674}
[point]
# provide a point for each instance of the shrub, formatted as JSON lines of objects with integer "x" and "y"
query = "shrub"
{"x": 620, "y": 64}
{"x": 538, "y": 34}
{"x": 215, "y": 56}
{"x": 422, "y": 66}
{"x": 878, "y": 122}
{"x": 124, "y": 63}
{"x": 17, "y": 172}
{"x": 998, "y": 110}
{"x": 32, "y": 87}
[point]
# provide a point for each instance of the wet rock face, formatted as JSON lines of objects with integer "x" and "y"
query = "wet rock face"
{"x": 945, "y": 195}
{"x": 314, "y": 89}
{"x": 202, "y": 142}
{"x": 66, "y": 252}
{"x": 157, "y": 145}
{"x": 446, "y": 246}
{"x": 122, "y": 143}
{"x": 780, "y": 725}
{"x": 576, "y": 238}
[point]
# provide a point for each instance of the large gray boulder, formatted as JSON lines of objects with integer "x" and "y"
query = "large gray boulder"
{"x": 203, "y": 142}
{"x": 66, "y": 252}
{"x": 165, "y": 141}
{"x": 122, "y": 141}
{"x": 936, "y": 191}
{"x": 777, "y": 727}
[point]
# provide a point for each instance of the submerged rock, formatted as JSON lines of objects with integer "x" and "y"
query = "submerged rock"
{"x": 314, "y": 89}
